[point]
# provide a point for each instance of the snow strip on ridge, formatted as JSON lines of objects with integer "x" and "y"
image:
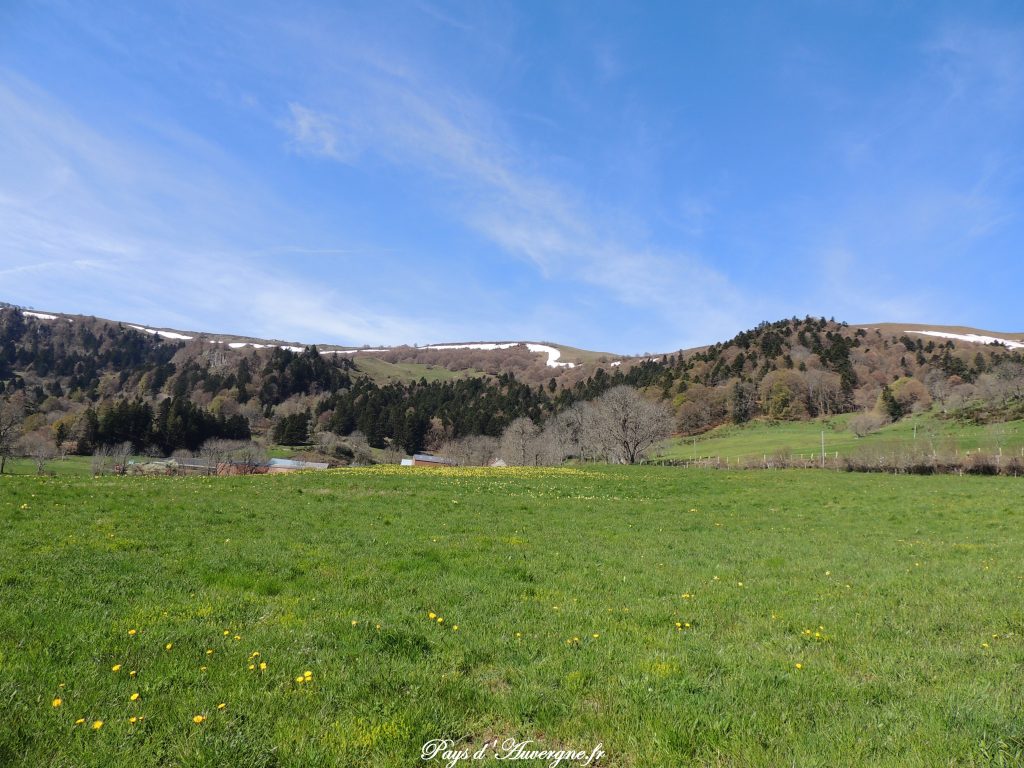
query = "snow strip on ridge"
{"x": 488, "y": 346}
{"x": 165, "y": 334}
{"x": 552, "y": 353}
{"x": 976, "y": 338}
{"x": 240, "y": 344}
{"x": 40, "y": 315}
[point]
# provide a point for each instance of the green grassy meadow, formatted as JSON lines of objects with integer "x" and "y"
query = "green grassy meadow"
{"x": 927, "y": 431}
{"x": 678, "y": 617}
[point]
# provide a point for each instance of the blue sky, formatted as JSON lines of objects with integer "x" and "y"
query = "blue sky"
{"x": 627, "y": 177}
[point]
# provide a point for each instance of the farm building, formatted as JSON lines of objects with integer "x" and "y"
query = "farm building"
{"x": 427, "y": 460}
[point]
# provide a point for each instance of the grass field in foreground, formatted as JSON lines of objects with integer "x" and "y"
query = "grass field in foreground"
{"x": 678, "y": 617}
{"x": 923, "y": 431}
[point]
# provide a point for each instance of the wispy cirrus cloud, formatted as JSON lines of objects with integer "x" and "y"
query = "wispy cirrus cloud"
{"x": 491, "y": 187}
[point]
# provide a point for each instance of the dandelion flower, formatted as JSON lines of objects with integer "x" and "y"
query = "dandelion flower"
{"x": 307, "y": 674}
{"x": 221, "y": 706}
{"x": 133, "y": 720}
{"x": 131, "y": 633}
{"x": 440, "y": 619}
{"x": 455, "y": 628}
{"x": 202, "y": 669}
{"x": 116, "y": 668}
{"x": 263, "y": 666}
{"x": 354, "y": 622}
{"x": 595, "y": 635}
{"x": 431, "y": 615}
{"x": 97, "y": 724}
{"x": 133, "y": 697}
{"x": 299, "y": 679}
{"x": 133, "y": 673}
{"x": 238, "y": 637}
{"x": 57, "y": 703}
{"x": 798, "y": 665}
{"x": 252, "y": 666}
{"x": 80, "y": 721}
{"x": 168, "y": 646}
{"x": 254, "y": 654}
{"x": 198, "y": 719}
{"x": 227, "y": 632}
{"x": 209, "y": 651}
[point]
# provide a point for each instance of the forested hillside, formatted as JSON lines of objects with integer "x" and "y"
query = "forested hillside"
{"x": 87, "y": 382}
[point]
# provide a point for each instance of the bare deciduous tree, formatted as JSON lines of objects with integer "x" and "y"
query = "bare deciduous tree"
{"x": 361, "y": 453}
{"x": 12, "y": 413}
{"x": 39, "y": 447}
{"x": 864, "y": 424}
{"x": 248, "y": 456}
{"x": 626, "y": 425}
{"x": 111, "y": 458}
{"x": 471, "y": 451}
{"x": 517, "y": 442}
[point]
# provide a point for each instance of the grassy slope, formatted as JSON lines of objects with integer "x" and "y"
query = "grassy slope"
{"x": 384, "y": 372}
{"x": 910, "y": 577}
{"x": 765, "y": 438}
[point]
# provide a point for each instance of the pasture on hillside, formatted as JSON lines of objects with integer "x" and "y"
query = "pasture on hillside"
{"x": 675, "y": 617}
{"x": 759, "y": 440}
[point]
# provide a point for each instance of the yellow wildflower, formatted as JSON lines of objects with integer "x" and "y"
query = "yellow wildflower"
{"x": 431, "y": 615}
{"x": 97, "y": 724}
{"x": 57, "y": 703}
{"x": 209, "y": 651}
{"x": 198, "y": 719}
{"x": 80, "y": 721}
{"x": 131, "y": 632}
{"x": 133, "y": 720}
{"x": 116, "y": 668}
{"x": 798, "y": 665}
{"x": 299, "y": 679}
{"x": 168, "y": 646}
{"x": 221, "y": 706}
{"x": 133, "y": 697}
{"x": 133, "y": 673}
{"x": 263, "y": 666}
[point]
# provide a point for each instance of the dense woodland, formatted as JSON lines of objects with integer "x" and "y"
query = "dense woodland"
{"x": 85, "y": 383}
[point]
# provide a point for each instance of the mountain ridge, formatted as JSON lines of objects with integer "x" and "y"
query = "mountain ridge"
{"x": 580, "y": 355}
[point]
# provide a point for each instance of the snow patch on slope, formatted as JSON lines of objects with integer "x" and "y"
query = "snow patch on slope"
{"x": 974, "y": 337}
{"x": 350, "y": 351}
{"x": 39, "y": 315}
{"x": 254, "y": 345}
{"x": 165, "y": 334}
{"x": 488, "y": 346}
{"x": 552, "y": 353}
